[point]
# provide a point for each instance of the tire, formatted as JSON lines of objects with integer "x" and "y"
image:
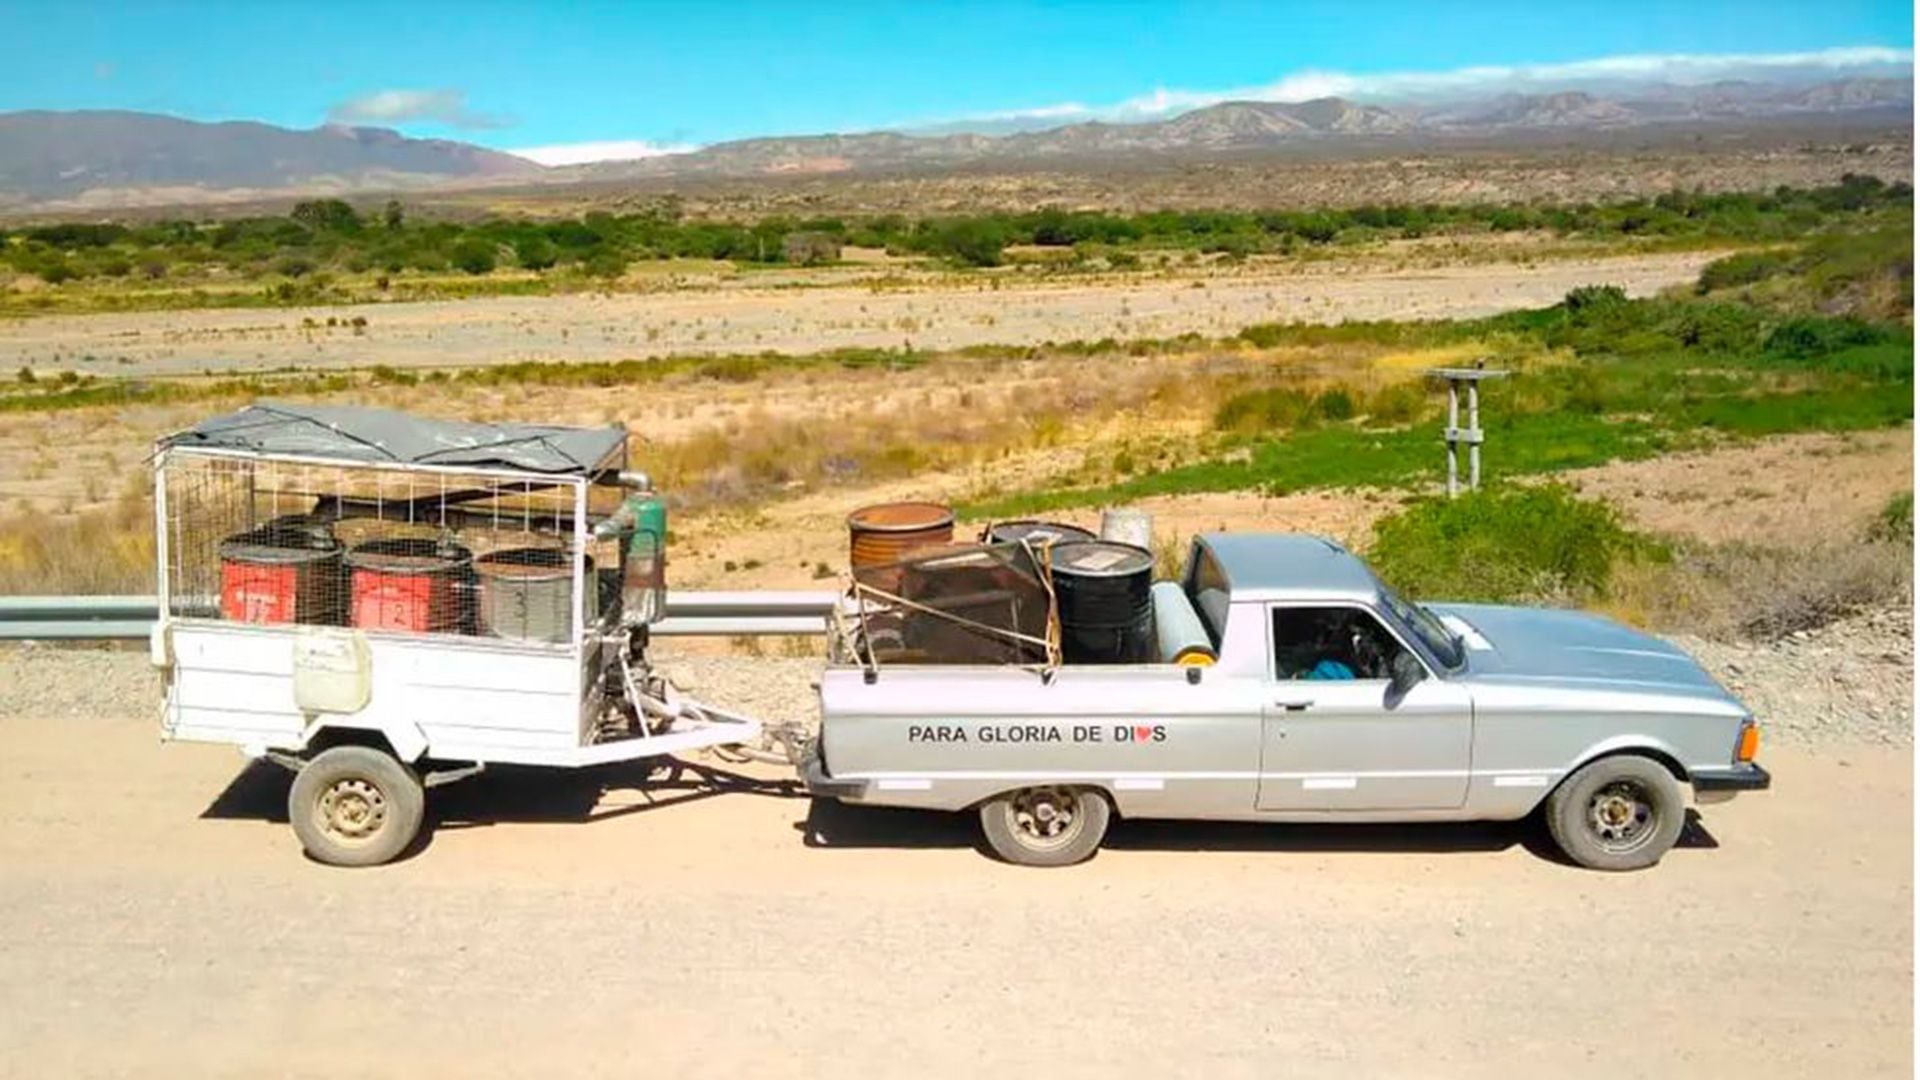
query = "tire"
{"x": 1025, "y": 827}
{"x": 1617, "y": 813}
{"x": 355, "y": 806}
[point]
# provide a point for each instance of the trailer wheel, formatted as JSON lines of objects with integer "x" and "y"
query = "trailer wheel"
{"x": 1617, "y": 813}
{"x": 1046, "y": 826}
{"x": 355, "y": 806}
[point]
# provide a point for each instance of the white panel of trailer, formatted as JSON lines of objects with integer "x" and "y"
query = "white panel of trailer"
{"x": 472, "y": 698}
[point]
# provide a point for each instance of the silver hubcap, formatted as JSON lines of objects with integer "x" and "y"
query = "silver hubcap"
{"x": 1045, "y": 818}
{"x": 1621, "y": 816}
{"x": 353, "y": 810}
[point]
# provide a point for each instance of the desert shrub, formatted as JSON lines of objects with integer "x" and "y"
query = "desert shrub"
{"x": 1595, "y": 301}
{"x": 1894, "y": 522}
{"x": 1268, "y": 409}
{"x": 473, "y": 256}
{"x": 1504, "y": 544}
{"x": 1398, "y": 403}
{"x": 1746, "y": 268}
{"x": 1814, "y": 335}
{"x": 1333, "y": 404}
{"x": 1740, "y": 591}
{"x": 535, "y": 252}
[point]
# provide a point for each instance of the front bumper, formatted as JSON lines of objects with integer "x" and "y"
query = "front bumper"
{"x": 1731, "y": 780}
{"x": 813, "y": 773}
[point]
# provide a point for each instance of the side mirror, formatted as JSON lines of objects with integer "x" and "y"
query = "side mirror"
{"x": 1406, "y": 674}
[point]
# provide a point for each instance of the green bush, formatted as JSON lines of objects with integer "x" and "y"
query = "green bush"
{"x": 1266, "y": 410}
{"x": 473, "y": 256}
{"x": 1894, "y": 522}
{"x": 1815, "y": 335}
{"x": 1334, "y": 404}
{"x": 1398, "y": 403}
{"x": 1503, "y": 545}
{"x": 1746, "y": 268}
{"x": 535, "y": 252}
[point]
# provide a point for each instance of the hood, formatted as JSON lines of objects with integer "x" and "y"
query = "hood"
{"x": 1549, "y": 644}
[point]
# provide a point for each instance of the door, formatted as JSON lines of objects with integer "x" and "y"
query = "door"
{"x": 1337, "y": 733}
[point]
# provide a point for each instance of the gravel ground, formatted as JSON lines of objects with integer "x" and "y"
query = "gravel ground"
{"x": 1850, "y": 682}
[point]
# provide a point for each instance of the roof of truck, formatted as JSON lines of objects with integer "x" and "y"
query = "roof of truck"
{"x": 1273, "y": 566}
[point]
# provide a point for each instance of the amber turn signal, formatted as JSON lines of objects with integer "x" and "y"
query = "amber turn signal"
{"x": 1749, "y": 742}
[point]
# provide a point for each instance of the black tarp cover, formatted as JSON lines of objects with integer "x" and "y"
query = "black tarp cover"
{"x": 354, "y": 434}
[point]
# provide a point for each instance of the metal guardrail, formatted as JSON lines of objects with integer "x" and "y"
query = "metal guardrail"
{"x": 689, "y": 614}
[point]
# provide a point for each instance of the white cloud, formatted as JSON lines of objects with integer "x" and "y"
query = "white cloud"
{"x": 612, "y": 150}
{"x": 402, "y": 106}
{"x": 1679, "y": 68}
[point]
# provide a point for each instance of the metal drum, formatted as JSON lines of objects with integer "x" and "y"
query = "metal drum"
{"x": 526, "y": 594}
{"x": 411, "y": 584}
{"x": 1037, "y": 533}
{"x": 1105, "y": 593}
{"x": 287, "y": 571}
{"x": 883, "y": 534}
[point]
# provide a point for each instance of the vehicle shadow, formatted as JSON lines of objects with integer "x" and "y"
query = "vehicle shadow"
{"x": 830, "y": 824}
{"x": 518, "y": 794}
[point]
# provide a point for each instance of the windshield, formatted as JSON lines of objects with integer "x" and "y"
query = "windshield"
{"x": 1441, "y": 642}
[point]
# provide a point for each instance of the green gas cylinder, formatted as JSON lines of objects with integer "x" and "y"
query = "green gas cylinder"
{"x": 644, "y": 592}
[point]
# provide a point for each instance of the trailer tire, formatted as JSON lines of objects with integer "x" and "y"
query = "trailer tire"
{"x": 356, "y": 806}
{"x": 1618, "y": 813}
{"x": 1026, "y": 827}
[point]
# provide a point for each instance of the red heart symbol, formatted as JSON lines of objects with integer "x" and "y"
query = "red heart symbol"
{"x": 1142, "y": 734}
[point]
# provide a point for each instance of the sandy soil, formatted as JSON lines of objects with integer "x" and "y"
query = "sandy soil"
{"x": 716, "y": 922}
{"x": 798, "y": 320}
{"x": 1789, "y": 490}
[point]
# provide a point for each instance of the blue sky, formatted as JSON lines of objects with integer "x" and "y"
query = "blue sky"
{"x": 544, "y": 75}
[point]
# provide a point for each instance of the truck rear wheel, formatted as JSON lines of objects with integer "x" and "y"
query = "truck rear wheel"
{"x": 1618, "y": 813}
{"x": 355, "y": 806}
{"x": 1046, "y": 826}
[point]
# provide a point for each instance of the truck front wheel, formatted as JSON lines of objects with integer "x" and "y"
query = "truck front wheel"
{"x": 1046, "y": 826}
{"x": 1617, "y": 813}
{"x": 355, "y": 806}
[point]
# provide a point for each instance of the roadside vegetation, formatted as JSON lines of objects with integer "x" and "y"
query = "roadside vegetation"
{"x": 328, "y": 251}
{"x": 1542, "y": 543}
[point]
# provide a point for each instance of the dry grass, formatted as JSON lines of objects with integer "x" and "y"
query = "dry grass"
{"x": 1740, "y": 591}
{"x": 92, "y": 552}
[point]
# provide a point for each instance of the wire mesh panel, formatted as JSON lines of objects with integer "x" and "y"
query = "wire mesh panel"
{"x": 406, "y": 550}
{"x": 962, "y": 604}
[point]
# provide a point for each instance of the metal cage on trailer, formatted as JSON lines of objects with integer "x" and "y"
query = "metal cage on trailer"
{"x": 385, "y": 603}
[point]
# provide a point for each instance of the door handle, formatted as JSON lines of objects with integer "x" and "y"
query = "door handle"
{"x": 1294, "y": 706}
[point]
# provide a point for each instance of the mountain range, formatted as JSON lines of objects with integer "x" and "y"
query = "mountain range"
{"x": 107, "y": 158}
{"x": 1241, "y": 126}
{"x": 115, "y": 156}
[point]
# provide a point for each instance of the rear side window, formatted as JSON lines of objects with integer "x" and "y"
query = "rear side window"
{"x": 1207, "y": 588}
{"x": 1331, "y": 643}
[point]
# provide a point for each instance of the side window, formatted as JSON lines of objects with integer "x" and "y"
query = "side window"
{"x": 1331, "y": 643}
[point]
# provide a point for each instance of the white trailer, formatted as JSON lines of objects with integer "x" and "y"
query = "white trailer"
{"x": 384, "y": 603}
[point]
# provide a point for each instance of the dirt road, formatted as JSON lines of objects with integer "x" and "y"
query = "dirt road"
{"x": 798, "y": 320}
{"x": 159, "y": 920}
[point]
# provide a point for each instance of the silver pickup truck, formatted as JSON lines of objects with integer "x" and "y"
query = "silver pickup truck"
{"x": 1440, "y": 712}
